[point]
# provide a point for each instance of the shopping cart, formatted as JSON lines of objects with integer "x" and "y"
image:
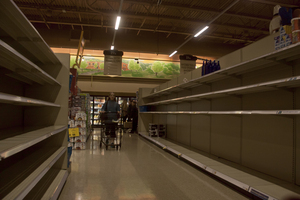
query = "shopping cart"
{"x": 111, "y": 135}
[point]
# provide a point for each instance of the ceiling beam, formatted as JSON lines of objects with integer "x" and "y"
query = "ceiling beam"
{"x": 152, "y": 17}
{"x": 143, "y": 29}
{"x": 274, "y": 3}
{"x": 195, "y": 8}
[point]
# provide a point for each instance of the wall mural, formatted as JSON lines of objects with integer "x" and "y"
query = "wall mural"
{"x": 130, "y": 68}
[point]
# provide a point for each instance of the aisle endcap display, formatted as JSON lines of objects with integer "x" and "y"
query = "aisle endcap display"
{"x": 80, "y": 119}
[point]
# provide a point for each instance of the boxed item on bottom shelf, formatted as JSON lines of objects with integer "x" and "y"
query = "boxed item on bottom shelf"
{"x": 79, "y": 145}
{"x": 81, "y": 138}
{"x": 80, "y": 124}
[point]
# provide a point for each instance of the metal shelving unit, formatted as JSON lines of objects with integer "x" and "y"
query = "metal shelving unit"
{"x": 24, "y": 101}
{"x": 283, "y": 56}
{"x": 247, "y": 114}
{"x": 290, "y": 82}
{"x": 34, "y": 98}
{"x": 237, "y": 112}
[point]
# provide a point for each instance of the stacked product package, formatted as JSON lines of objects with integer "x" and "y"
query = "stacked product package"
{"x": 285, "y": 37}
{"x": 80, "y": 119}
{"x": 157, "y": 130}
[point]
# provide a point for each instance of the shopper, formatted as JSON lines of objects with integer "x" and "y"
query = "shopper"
{"x": 112, "y": 109}
{"x": 129, "y": 111}
{"x": 134, "y": 115}
{"x": 124, "y": 110}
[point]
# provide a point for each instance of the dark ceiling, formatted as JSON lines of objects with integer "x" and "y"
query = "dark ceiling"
{"x": 153, "y": 26}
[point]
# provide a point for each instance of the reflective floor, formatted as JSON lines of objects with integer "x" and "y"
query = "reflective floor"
{"x": 139, "y": 170}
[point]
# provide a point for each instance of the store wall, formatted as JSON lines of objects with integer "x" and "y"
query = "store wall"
{"x": 252, "y": 51}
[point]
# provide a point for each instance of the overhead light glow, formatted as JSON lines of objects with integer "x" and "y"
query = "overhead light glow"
{"x": 172, "y": 53}
{"x": 118, "y": 22}
{"x": 204, "y": 29}
{"x": 112, "y": 47}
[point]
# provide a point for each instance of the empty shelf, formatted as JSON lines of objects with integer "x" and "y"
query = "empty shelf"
{"x": 13, "y": 145}
{"x": 289, "y": 53}
{"x": 261, "y": 87}
{"x": 56, "y": 186}
{"x": 237, "y": 112}
{"x": 30, "y": 181}
{"x": 20, "y": 65}
{"x": 24, "y": 34}
{"x": 24, "y": 101}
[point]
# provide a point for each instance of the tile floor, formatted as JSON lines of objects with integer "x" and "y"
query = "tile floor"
{"x": 139, "y": 170}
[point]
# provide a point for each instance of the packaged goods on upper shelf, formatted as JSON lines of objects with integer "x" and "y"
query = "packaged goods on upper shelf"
{"x": 284, "y": 39}
{"x": 296, "y": 24}
{"x": 296, "y": 36}
{"x": 209, "y": 66}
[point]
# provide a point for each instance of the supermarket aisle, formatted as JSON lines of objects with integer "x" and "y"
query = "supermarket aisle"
{"x": 139, "y": 170}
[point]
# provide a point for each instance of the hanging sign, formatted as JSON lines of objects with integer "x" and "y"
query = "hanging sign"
{"x": 73, "y": 132}
{"x": 187, "y": 63}
{"x": 113, "y": 62}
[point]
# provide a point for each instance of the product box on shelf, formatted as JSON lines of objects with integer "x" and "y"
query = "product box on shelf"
{"x": 80, "y": 116}
{"x": 82, "y": 131}
{"x": 80, "y": 123}
{"x": 284, "y": 39}
{"x": 71, "y": 123}
{"x": 79, "y": 145}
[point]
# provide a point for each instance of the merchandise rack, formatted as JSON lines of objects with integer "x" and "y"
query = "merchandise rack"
{"x": 33, "y": 132}
{"x": 247, "y": 114}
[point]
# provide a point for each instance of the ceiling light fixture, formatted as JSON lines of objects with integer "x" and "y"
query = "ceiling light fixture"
{"x": 112, "y": 47}
{"x": 202, "y": 30}
{"x": 172, "y": 53}
{"x": 207, "y": 26}
{"x": 118, "y": 22}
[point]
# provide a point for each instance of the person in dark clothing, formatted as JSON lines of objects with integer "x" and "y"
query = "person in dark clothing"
{"x": 134, "y": 115}
{"x": 113, "y": 110}
{"x": 129, "y": 111}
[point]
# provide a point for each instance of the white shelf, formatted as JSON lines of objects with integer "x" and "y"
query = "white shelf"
{"x": 13, "y": 145}
{"x": 23, "y": 67}
{"x": 24, "y": 34}
{"x": 261, "y": 87}
{"x": 287, "y": 54}
{"x": 24, "y": 101}
{"x": 56, "y": 186}
{"x": 241, "y": 112}
{"x": 25, "y": 186}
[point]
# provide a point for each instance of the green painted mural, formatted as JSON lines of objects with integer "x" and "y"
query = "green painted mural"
{"x": 130, "y": 68}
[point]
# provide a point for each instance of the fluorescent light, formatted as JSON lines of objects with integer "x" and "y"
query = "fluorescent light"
{"x": 206, "y": 27}
{"x": 112, "y": 47}
{"x": 118, "y": 22}
{"x": 172, "y": 53}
